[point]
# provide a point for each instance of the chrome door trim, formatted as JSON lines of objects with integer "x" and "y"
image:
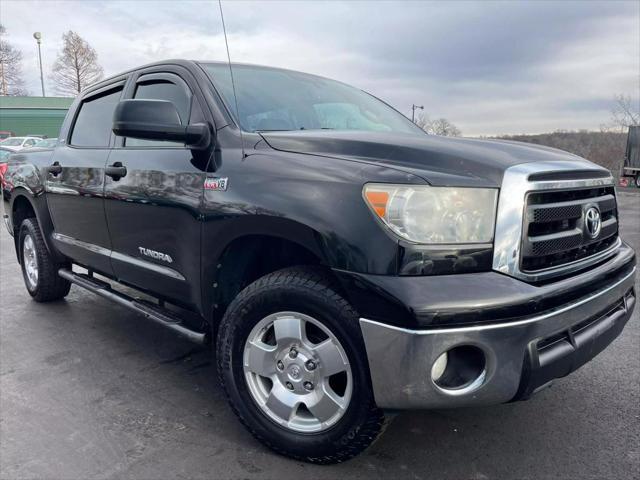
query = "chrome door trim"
{"x": 511, "y": 211}
{"x": 79, "y": 243}
{"x": 169, "y": 272}
{"x": 166, "y": 271}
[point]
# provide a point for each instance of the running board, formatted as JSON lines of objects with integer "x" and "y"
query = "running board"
{"x": 160, "y": 315}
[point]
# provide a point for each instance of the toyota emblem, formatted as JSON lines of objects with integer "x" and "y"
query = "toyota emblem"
{"x": 592, "y": 222}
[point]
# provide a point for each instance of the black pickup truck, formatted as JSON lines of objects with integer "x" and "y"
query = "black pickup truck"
{"x": 341, "y": 262}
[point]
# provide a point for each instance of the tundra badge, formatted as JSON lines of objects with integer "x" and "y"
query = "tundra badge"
{"x": 157, "y": 255}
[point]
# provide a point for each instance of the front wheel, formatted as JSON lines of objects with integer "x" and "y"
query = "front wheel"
{"x": 638, "y": 181}
{"x": 292, "y": 361}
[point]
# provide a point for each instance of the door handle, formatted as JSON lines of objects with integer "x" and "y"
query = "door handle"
{"x": 116, "y": 171}
{"x": 55, "y": 169}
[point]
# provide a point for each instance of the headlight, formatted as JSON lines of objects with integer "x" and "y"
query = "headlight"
{"x": 440, "y": 215}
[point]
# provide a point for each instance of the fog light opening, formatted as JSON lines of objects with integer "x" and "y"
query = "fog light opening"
{"x": 459, "y": 370}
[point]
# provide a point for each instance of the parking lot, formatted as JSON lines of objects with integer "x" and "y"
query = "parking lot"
{"x": 91, "y": 390}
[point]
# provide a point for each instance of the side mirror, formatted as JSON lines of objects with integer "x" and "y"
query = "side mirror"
{"x": 157, "y": 120}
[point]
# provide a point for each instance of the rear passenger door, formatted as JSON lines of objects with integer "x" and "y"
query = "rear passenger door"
{"x": 75, "y": 181}
{"x": 153, "y": 210}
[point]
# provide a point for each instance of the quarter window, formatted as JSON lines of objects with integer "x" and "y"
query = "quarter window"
{"x": 93, "y": 124}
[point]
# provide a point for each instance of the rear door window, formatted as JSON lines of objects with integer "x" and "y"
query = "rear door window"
{"x": 93, "y": 124}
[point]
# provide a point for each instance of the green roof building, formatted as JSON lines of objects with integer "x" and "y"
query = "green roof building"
{"x": 33, "y": 115}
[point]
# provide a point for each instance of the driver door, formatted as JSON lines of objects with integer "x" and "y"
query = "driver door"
{"x": 153, "y": 210}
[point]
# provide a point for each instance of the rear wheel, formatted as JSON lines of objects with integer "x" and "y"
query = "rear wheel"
{"x": 638, "y": 181}
{"x": 292, "y": 361}
{"x": 39, "y": 270}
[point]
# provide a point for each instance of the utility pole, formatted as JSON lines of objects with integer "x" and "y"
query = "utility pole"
{"x": 38, "y": 37}
{"x": 413, "y": 111}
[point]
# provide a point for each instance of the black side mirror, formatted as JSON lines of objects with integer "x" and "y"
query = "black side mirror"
{"x": 157, "y": 120}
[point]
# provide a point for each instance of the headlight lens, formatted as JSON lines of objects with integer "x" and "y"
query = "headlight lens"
{"x": 436, "y": 215}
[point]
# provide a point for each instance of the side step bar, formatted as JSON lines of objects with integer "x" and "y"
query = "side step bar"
{"x": 160, "y": 315}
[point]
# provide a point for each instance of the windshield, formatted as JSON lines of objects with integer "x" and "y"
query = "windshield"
{"x": 270, "y": 99}
{"x": 13, "y": 142}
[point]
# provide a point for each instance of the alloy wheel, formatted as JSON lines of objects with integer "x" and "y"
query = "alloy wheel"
{"x": 30, "y": 261}
{"x": 297, "y": 372}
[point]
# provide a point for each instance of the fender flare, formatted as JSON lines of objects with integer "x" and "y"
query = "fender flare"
{"x": 217, "y": 242}
{"x": 40, "y": 207}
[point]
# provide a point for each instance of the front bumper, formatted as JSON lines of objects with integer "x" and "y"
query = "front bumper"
{"x": 521, "y": 356}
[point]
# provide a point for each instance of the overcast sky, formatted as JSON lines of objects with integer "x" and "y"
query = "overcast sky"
{"x": 489, "y": 67}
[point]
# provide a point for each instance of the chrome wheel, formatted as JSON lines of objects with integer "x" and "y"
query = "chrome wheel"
{"x": 297, "y": 372}
{"x": 30, "y": 261}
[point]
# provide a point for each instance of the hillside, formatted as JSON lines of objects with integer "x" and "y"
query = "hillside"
{"x": 604, "y": 148}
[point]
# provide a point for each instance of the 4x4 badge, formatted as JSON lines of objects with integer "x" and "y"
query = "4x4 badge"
{"x": 217, "y": 183}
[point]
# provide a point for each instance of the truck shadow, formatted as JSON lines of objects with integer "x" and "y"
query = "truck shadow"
{"x": 158, "y": 397}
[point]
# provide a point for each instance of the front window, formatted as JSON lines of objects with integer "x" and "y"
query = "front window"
{"x": 271, "y": 99}
{"x": 162, "y": 89}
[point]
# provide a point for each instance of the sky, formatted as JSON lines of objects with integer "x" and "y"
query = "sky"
{"x": 491, "y": 68}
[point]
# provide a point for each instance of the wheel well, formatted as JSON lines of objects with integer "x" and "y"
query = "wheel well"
{"x": 249, "y": 258}
{"x": 22, "y": 209}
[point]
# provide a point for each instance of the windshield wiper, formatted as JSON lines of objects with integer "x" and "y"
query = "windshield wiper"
{"x": 291, "y": 129}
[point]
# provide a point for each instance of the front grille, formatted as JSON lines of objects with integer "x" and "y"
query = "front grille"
{"x": 554, "y": 230}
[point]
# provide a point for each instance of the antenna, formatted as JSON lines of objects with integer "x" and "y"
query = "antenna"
{"x": 233, "y": 84}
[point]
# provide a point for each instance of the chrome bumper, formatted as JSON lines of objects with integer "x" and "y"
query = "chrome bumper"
{"x": 400, "y": 360}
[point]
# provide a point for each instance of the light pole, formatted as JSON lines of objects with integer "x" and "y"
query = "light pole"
{"x": 38, "y": 37}
{"x": 413, "y": 111}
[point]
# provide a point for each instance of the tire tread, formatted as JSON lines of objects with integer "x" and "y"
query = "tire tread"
{"x": 51, "y": 286}
{"x": 317, "y": 283}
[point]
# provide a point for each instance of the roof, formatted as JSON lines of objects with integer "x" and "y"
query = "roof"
{"x": 187, "y": 64}
{"x": 54, "y": 103}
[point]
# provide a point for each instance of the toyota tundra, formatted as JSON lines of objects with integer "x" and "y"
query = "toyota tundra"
{"x": 341, "y": 262}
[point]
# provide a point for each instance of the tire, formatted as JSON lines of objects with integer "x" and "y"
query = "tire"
{"x": 304, "y": 293}
{"x": 637, "y": 181}
{"x": 46, "y": 285}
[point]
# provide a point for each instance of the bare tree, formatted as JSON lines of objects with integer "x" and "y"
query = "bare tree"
{"x": 442, "y": 126}
{"x": 623, "y": 114}
{"x": 604, "y": 148}
{"x": 11, "y": 82}
{"x": 424, "y": 122}
{"x": 439, "y": 126}
{"x": 76, "y": 66}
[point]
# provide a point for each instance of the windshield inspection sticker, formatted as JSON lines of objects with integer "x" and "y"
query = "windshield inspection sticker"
{"x": 219, "y": 184}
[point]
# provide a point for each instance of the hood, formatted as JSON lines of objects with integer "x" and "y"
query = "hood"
{"x": 438, "y": 160}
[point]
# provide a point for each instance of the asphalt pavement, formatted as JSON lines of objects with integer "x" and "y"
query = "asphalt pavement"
{"x": 90, "y": 390}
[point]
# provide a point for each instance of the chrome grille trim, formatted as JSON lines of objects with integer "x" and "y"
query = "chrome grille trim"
{"x": 512, "y": 210}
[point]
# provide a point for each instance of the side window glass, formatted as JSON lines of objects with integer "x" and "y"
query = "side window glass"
{"x": 162, "y": 90}
{"x": 93, "y": 124}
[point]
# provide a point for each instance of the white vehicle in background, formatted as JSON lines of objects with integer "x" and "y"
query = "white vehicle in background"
{"x": 45, "y": 143}
{"x": 18, "y": 143}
